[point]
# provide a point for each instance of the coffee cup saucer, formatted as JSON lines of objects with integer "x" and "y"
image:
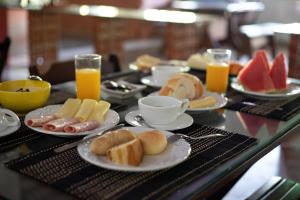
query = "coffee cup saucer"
{"x": 183, "y": 121}
{"x": 10, "y": 129}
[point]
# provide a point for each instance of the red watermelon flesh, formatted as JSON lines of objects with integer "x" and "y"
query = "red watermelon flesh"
{"x": 255, "y": 76}
{"x": 278, "y": 72}
{"x": 264, "y": 56}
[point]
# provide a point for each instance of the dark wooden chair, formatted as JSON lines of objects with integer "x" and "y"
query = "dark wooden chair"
{"x": 4, "y": 47}
{"x": 60, "y": 72}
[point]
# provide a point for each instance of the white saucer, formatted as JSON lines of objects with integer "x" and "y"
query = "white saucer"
{"x": 149, "y": 81}
{"x": 183, "y": 121}
{"x": 9, "y": 130}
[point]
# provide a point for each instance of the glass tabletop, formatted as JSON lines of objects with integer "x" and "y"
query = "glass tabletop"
{"x": 268, "y": 132}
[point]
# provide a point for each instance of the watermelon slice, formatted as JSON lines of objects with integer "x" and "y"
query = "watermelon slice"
{"x": 255, "y": 76}
{"x": 278, "y": 72}
{"x": 264, "y": 56}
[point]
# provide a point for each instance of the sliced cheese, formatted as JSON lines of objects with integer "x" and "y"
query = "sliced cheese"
{"x": 205, "y": 102}
{"x": 69, "y": 109}
{"x": 100, "y": 111}
{"x": 86, "y": 109}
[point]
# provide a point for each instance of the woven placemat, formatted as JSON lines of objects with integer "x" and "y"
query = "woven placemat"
{"x": 66, "y": 171}
{"x": 22, "y": 135}
{"x": 280, "y": 109}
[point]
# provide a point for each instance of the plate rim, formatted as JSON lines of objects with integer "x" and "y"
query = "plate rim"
{"x": 150, "y": 78}
{"x": 126, "y": 168}
{"x": 133, "y": 66}
{"x": 235, "y": 85}
{"x": 63, "y": 134}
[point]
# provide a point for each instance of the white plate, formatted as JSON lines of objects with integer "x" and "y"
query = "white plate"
{"x": 291, "y": 90}
{"x": 174, "y": 154}
{"x": 183, "y": 64}
{"x": 149, "y": 81}
{"x": 122, "y": 95}
{"x": 112, "y": 118}
{"x": 183, "y": 121}
{"x": 9, "y": 130}
{"x": 221, "y": 102}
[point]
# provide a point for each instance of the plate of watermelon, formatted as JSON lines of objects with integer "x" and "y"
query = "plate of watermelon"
{"x": 260, "y": 79}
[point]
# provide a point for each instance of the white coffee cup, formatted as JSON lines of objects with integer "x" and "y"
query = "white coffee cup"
{"x": 5, "y": 122}
{"x": 162, "y": 73}
{"x": 159, "y": 110}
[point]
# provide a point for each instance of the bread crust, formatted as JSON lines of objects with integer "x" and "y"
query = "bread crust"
{"x": 153, "y": 142}
{"x": 101, "y": 144}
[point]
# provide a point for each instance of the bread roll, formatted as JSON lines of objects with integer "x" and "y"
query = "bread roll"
{"x": 101, "y": 144}
{"x": 183, "y": 86}
{"x": 129, "y": 153}
{"x": 147, "y": 61}
{"x": 153, "y": 142}
{"x": 205, "y": 102}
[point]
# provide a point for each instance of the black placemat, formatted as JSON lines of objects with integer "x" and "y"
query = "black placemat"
{"x": 22, "y": 135}
{"x": 69, "y": 173}
{"x": 280, "y": 109}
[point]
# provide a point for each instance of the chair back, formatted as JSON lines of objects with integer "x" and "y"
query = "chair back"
{"x": 61, "y": 72}
{"x": 4, "y": 47}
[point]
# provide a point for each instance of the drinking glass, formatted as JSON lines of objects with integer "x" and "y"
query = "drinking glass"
{"x": 88, "y": 76}
{"x": 217, "y": 70}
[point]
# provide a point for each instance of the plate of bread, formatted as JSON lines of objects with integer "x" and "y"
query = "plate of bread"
{"x": 145, "y": 62}
{"x": 73, "y": 118}
{"x": 188, "y": 86}
{"x": 135, "y": 149}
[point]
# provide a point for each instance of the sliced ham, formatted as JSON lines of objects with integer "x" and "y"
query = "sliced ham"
{"x": 80, "y": 127}
{"x": 39, "y": 122}
{"x": 59, "y": 124}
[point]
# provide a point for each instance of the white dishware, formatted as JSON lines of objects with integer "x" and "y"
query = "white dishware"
{"x": 149, "y": 81}
{"x": 221, "y": 102}
{"x": 179, "y": 63}
{"x": 292, "y": 90}
{"x": 183, "y": 121}
{"x": 9, "y": 122}
{"x": 161, "y": 74}
{"x": 161, "y": 109}
{"x": 5, "y": 122}
{"x": 112, "y": 118}
{"x": 174, "y": 154}
{"x": 121, "y": 94}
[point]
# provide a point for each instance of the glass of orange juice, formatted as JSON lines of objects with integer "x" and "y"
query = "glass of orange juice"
{"x": 88, "y": 76}
{"x": 217, "y": 70}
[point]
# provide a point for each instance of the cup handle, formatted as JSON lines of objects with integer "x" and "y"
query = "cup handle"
{"x": 184, "y": 105}
{"x": 13, "y": 115}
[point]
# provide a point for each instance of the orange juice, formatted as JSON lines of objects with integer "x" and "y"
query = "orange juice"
{"x": 88, "y": 83}
{"x": 217, "y": 77}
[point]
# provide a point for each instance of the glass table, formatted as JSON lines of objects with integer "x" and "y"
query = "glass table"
{"x": 16, "y": 186}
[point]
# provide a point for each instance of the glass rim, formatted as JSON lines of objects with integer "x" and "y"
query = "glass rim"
{"x": 219, "y": 51}
{"x": 87, "y": 56}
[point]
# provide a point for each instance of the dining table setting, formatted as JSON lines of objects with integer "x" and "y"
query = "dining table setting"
{"x": 164, "y": 129}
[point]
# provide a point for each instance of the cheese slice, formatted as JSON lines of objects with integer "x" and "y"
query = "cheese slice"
{"x": 69, "y": 109}
{"x": 100, "y": 111}
{"x": 86, "y": 109}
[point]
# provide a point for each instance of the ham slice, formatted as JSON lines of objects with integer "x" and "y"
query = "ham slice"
{"x": 80, "y": 127}
{"x": 39, "y": 122}
{"x": 59, "y": 124}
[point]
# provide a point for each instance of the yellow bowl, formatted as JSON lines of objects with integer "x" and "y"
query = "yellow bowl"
{"x": 15, "y": 96}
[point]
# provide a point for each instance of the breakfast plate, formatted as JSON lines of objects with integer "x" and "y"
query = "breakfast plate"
{"x": 292, "y": 90}
{"x": 221, "y": 102}
{"x": 10, "y": 129}
{"x": 182, "y": 64}
{"x": 174, "y": 154}
{"x": 183, "y": 121}
{"x": 112, "y": 118}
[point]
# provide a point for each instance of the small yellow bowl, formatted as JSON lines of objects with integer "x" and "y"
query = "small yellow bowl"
{"x": 22, "y": 96}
